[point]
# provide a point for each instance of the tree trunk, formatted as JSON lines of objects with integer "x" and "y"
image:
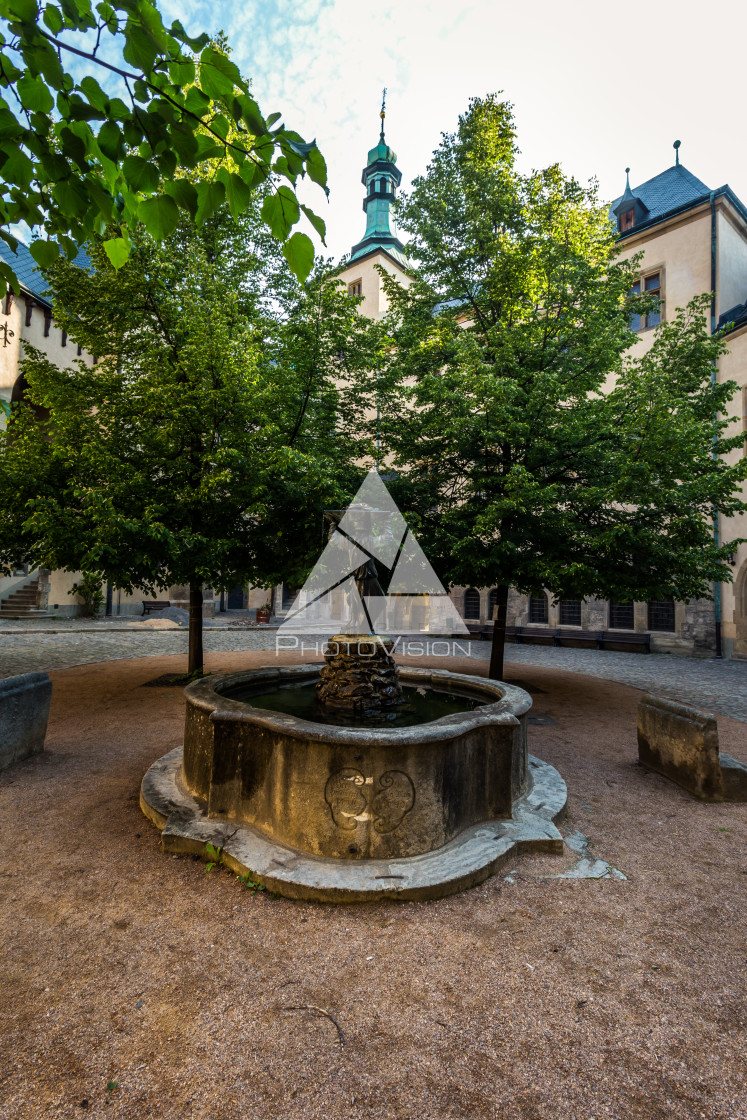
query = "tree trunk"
{"x": 196, "y": 661}
{"x": 499, "y": 637}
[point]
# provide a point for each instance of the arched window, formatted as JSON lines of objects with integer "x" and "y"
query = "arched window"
{"x": 492, "y": 601}
{"x": 661, "y": 614}
{"x": 621, "y": 616}
{"x": 18, "y": 394}
{"x": 570, "y": 612}
{"x": 538, "y": 608}
{"x": 471, "y": 603}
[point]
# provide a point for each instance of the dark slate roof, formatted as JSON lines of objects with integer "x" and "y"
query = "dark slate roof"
{"x": 736, "y": 315}
{"x": 674, "y": 189}
{"x": 27, "y": 270}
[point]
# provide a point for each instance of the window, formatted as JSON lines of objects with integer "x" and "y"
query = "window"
{"x": 651, "y": 286}
{"x": 627, "y": 219}
{"x": 621, "y": 616}
{"x": 492, "y": 602}
{"x": 355, "y": 288}
{"x": 538, "y": 608}
{"x": 661, "y": 614}
{"x": 472, "y": 603}
{"x": 570, "y": 612}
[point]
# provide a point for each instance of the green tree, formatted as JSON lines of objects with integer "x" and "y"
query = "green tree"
{"x": 210, "y": 434}
{"x": 535, "y": 451}
{"x": 79, "y": 158}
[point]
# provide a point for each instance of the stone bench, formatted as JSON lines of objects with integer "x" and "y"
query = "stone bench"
{"x": 24, "y": 710}
{"x": 682, "y": 744}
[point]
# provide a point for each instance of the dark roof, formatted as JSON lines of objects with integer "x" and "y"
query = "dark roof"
{"x": 674, "y": 189}
{"x": 27, "y": 270}
{"x": 736, "y": 315}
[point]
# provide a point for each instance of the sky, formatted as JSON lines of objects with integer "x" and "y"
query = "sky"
{"x": 596, "y": 86}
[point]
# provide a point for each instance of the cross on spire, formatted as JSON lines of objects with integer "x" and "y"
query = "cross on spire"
{"x": 382, "y": 114}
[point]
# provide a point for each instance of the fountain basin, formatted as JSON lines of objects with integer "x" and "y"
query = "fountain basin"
{"x": 355, "y": 792}
{"x": 328, "y": 812}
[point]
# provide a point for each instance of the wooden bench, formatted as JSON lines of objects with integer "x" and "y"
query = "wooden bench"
{"x": 626, "y": 638}
{"x": 587, "y": 637}
{"x": 599, "y": 639}
{"x": 150, "y": 605}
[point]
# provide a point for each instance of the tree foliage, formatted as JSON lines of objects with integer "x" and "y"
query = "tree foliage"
{"x": 535, "y": 449}
{"x": 217, "y": 423}
{"x": 77, "y": 159}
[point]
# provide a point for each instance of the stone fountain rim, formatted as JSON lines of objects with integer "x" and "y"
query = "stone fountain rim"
{"x": 510, "y": 703}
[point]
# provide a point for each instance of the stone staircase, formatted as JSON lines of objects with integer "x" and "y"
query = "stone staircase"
{"x": 23, "y": 601}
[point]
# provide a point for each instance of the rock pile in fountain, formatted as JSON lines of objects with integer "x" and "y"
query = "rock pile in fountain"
{"x": 360, "y": 675}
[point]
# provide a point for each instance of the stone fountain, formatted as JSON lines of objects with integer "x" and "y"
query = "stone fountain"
{"x": 354, "y": 779}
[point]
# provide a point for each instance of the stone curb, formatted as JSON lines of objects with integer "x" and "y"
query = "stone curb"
{"x": 471, "y": 858}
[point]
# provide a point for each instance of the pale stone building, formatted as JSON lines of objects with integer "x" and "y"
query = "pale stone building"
{"x": 693, "y": 240}
{"x": 30, "y": 318}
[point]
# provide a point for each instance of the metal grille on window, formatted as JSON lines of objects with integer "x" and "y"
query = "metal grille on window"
{"x": 621, "y": 616}
{"x": 538, "y": 608}
{"x": 570, "y": 612}
{"x": 661, "y": 614}
{"x": 471, "y": 603}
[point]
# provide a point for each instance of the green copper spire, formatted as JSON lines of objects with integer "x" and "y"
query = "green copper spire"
{"x": 380, "y": 177}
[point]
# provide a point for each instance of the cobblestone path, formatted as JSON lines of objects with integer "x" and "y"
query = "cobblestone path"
{"x": 720, "y": 686}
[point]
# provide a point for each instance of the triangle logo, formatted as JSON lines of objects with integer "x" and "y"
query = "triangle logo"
{"x": 373, "y": 576}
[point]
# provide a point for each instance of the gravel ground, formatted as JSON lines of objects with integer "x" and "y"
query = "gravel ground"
{"x": 720, "y": 686}
{"x": 537, "y": 999}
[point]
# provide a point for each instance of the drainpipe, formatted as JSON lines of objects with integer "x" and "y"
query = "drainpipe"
{"x": 717, "y": 584}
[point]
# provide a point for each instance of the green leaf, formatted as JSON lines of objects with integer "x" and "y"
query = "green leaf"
{"x": 195, "y": 44}
{"x": 317, "y": 168}
{"x": 218, "y": 75}
{"x": 238, "y": 193}
{"x": 196, "y": 102}
{"x": 281, "y": 211}
{"x": 210, "y": 197}
{"x": 317, "y": 222}
{"x": 273, "y": 117}
{"x": 117, "y": 250}
{"x": 139, "y": 49}
{"x": 94, "y": 92}
{"x": 141, "y": 175}
{"x": 299, "y": 253}
{"x": 183, "y": 194}
{"x": 250, "y": 114}
{"x": 53, "y": 19}
{"x": 24, "y": 10}
{"x": 182, "y": 72}
{"x": 110, "y": 141}
{"x": 18, "y": 170}
{"x": 34, "y": 94}
{"x": 45, "y": 253}
{"x": 160, "y": 215}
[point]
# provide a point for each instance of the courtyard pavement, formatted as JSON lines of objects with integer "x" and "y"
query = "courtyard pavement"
{"x": 720, "y": 686}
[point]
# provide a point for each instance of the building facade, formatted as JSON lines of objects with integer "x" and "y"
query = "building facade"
{"x": 693, "y": 240}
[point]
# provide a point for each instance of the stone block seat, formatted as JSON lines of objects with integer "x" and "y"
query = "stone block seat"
{"x": 682, "y": 744}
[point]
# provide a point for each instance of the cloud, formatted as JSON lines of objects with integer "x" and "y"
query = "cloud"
{"x": 584, "y": 93}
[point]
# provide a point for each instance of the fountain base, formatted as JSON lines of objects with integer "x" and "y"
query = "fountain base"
{"x": 469, "y": 859}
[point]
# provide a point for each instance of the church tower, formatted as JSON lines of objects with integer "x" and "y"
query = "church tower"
{"x": 380, "y": 244}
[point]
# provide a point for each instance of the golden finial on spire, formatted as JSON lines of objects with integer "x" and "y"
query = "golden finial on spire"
{"x": 382, "y": 114}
